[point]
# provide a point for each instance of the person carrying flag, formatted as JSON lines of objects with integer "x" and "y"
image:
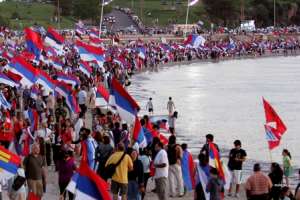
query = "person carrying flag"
{"x": 205, "y": 148}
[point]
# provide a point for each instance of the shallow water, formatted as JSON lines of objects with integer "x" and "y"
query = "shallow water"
{"x": 225, "y": 99}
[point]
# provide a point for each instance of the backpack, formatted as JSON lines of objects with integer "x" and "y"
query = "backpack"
{"x": 111, "y": 168}
{"x": 18, "y": 183}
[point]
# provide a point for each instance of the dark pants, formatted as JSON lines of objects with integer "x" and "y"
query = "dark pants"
{"x": 63, "y": 191}
{"x": 146, "y": 177}
{"x": 259, "y": 197}
{"x": 48, "y": 153}
{"x": 82, "y": 108}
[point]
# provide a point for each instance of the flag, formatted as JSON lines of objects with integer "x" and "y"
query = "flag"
{"x": 72, "y": 103}
{"x": 33, "y": 117}
{"x": 273, "y": 133}
{"x": 68, "y": 78}
{"x": 102, "y": 91}
{"x": 215, "y": 161}
{"x": 9, "y": 163}
{"x": 202, "y": 177}
{"x": 4, "y": 79}
{"x": 125, "y": 104}
{"x": 85, "y": 68}
{"x": 86, "y": 184}
{"x": 55, "y": 40}
{"x": 95, "y": 41}
{"x": 28, "y": 73}
{"x": 138, "y": 134}
{"x": 56, "y": 63}
{"x": 187, "y": 167}
{"x": 34, "y": 42}
{"x": 46, "y": 81}
{"x": 63, "y": 89}
{"x": 142, "y": 52}
{"x": 94, "y": 33}
{"x": 192, "y": 2}
{"x": 90, "y": 53}
{"x": 3, "y": 102}
{"x": 195, "y": 41}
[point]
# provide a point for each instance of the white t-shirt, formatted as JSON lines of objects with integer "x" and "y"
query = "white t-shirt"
{"x": 44, "y": 133}
{"x": 82, "y": 95}
{"x": 160, "y": 158}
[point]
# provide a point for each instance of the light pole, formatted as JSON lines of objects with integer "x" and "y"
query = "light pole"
{"x": 58, "y": 14}
{"x": 101, "y": 18}
{"x": 187, "y": 17}
{"x": 274, "y": 14}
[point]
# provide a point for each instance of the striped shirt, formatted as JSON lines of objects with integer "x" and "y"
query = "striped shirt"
{"x": 258, "y": 184}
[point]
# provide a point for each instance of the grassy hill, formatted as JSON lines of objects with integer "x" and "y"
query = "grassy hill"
{"x": 42, "y": 13}
{"x": 152, "y": 10}
{"x": 30, "y": 13}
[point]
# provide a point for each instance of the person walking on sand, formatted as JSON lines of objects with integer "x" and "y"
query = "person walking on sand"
{"x": 237, "y": 156}
{"x": 170, "y": 106}
{"x": 287, "y": 165}
{"x": 161, "y": 164}
{"x": 149, "y": 106}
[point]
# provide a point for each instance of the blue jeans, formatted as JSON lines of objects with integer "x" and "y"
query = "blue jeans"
{"x": 133, "y": 191}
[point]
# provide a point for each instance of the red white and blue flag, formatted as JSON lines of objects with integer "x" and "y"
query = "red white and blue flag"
{"x": 4, "y": 79}
{"x": 55, "y": 40}
{"x": 138, "y": 134}
{"x": 46, "y": 81}
{"x": 68, "y": 78}
{"x": 85, "y": 68}
{"x": 274, "y": 126}
{"x": 195, "y": 41}
{"x": 33, "y": 117}
{"x": 28, "y": 73}
{"x": 188, "y": 168}
{"x": 126, "y": 106}
{"x": 90, "y": 53}
{"x": 34, "y": 42}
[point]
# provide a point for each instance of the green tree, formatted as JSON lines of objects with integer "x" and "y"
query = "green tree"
{"x": 222, "y": 12}
{"x": 65, "y": 6}
{"x": 88, "y": 10}
{"x": 4, "y": 21}
{"x": 15, "y": 15}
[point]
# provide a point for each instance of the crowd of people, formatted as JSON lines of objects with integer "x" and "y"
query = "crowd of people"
{"x": 42, "y": 128}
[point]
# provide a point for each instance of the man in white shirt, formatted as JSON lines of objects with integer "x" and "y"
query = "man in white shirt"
{"x": 82, "y": 97}
{"x": 161, "y": 164}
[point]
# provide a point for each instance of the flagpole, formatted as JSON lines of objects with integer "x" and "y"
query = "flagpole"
{"x": 270, "y": 154}
{"x": 101, "y": 18}
{"x": 187, "y": 17}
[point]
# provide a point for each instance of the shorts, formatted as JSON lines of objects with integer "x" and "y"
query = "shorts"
{"x": 35, "y": 186}
{"x": 119, "y": 188}
{"x": 150, "y": 110}
{"x": 236, "y": 177}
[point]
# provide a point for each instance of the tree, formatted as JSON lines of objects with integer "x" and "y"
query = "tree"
{"x": 15, "y": 15}
{"x": 88, "y": 10}
{"x": 65, "y": 6}
{"x": 222, "y": 12}
{"x": 4, "y": 21}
